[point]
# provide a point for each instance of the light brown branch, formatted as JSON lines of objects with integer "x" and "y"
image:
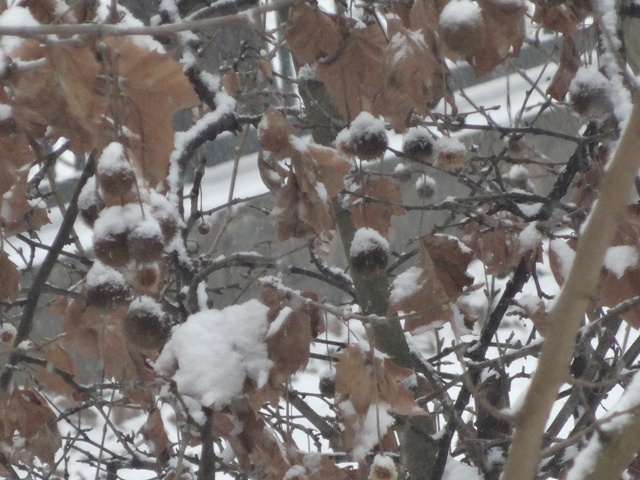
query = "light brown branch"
{"x": 568, "y": 312}
{"x": 246, "y": 17}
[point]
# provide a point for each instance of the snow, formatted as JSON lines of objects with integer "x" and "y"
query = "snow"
{"x": 147, "y": 304}
{"x": 425, "y": 183}
{"x": 225, "y": 104}
{"x": 530, "y": 209}
{"x": 113, "y": 159}
{"x": 387, "y": 465}
{"x": 118, "y": 219}
{"x": 367, "y": 239}
{"x": 366, "y": 126}
{"x": 279, "y": 321}
{"x": 371, "y": 429}
{"x": 212, "y": 354}
{"x": 11, "y": 17}
{"x": 100, "y": 274}
{"x": 460, "y": 12}
{"x": 5, "y": 111}
{"x": 620, "y": 258}
{"x": 127, "y": 19}
{"x": 529, "y": 238}
{"x": 88, "y": 195}
{"x": 450, "y": 145}
{"x": 565, "y": 255}
{"x": 405, "y": 284}
{"x": 588, "y": 77}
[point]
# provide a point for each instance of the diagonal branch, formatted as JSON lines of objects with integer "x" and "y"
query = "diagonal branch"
{"x": 574, "y": 298}
{"x": 37, "y": 287}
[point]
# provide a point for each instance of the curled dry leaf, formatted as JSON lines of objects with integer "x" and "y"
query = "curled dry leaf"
{"x": 429, "y": 290}
{"x": 25, "y": 413}
{"x": 61, "y": 93}
{"x": 305, "y": 187}
{"x": 153, "y": 430}
{"x": 498, "y": 248}
{"x": 9, "y": 278}
{"x": 504, "y": 23}
{"x": 365, "y": 380}
{"x": 620, "y": 278}
{"x": 288, "y": 341}
{"x": 153, "y": 89}
{"x": 374, "y": 203}
{"x": 569, "y": 64}
{"x": 558, "y": 18}
{"x": 370, "y": 387}
{"x": 620, "y": 275}
{"x": 414, "y": 76}
{"x": 348, "y": 76}
{"x": 312, "y": 35}
{"x": 254, "y": 446}
{"x": 57, "y": 357}
{"x": 17, "y": 214}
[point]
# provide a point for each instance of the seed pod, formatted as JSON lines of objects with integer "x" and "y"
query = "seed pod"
{"x": 145, "y": 241}
{"x": 450, "y": 154}
{"x": 425, "y": 186}
{"x": 90, "y": 203}
{"x": 368, "y": 137}
{"x": 106, "y": 287}
{"x": 462, "y": 28}
{"x": 204, "y": 228}
{"x": 418, "y": 144}
{"x": 369, "y": 252}
{"x": 145, "y": 324}
{"x": 110, "y": 233}
{"x": 116, "y": 175}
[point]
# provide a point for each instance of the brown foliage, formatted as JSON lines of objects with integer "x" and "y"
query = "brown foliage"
{"x": 374, "y": 203}
{"x": 305, "y": 188}
{"x": 25, "y": 413}
{"x": 439, "y": 280}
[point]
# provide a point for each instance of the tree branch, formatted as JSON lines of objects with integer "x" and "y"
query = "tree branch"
{"x": 574, "y": 298}
{"x": 62, "y": 238}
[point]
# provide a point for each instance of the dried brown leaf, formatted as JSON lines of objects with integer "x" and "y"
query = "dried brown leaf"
{"x": 9, "y": 278}
{"x": 153, "y": 88}
{"x": 556, "y": 17}
{"x": 414, "y": 76}
{"x": 18, "y": 215}
{"x": 450, "y": 262}
{"x": 504, "y": 22}
{"x": 498, "y": 248}
{"x": 288, "y": 345}
{"x": 374, "y": 204}
{"x": 354, "y": 380}
{"x": 569, "y": 64}
{"x": 348, "y": 76}
{"x": 312, "y": 35}
{"x": 614, "y": 289}
{"x": 57, "y": 357}
{"x": 60, "y": 94}
{"x": 28, "y": 414}
{"x": 153, "y": 430}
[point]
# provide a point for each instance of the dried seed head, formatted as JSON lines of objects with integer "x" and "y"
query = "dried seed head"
{"x": 116, "y": 175}
{"x": 418, "y": 144}
{"x": 462, "y": 28}
{"x": 425, "y": 186}
{"x": 106, "y": 287}
{"x": 145, "y": 241}
{"x": 145, "y": 324}
{"x": 368, "y": 137}
{"x": 369, "y": 252}
{"x": 450, "y": 154}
